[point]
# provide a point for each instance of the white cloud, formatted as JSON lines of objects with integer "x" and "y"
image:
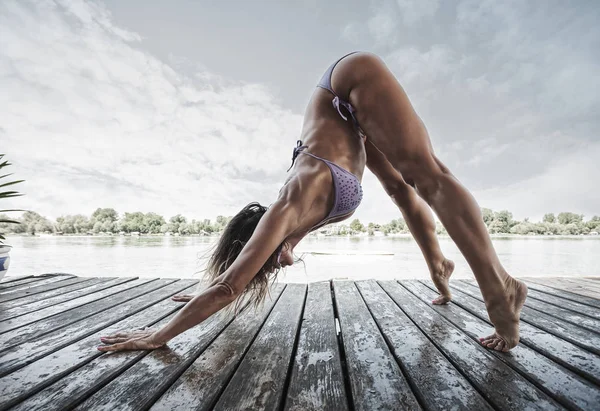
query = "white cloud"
{"x": 90, "y": 119}
{"x": 508, "y": 91}
{"x": 415, "y": 11}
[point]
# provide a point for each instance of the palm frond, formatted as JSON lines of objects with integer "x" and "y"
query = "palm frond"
{"x": 11, "y": 183}
{"x": 7, "y": 211}
{"x": 10, "y": 221}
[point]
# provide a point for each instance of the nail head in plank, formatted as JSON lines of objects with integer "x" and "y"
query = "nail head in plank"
{"x": 375, "y": 378}
{"x": 317, "y": 381}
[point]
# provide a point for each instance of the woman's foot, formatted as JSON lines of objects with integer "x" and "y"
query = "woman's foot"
{"x": 183, "y": 298}
{"x": 504, "y": 313}
{"x": 440, "y": 278}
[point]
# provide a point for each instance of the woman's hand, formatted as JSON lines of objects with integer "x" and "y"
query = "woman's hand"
{"x": 183, "y": 298}
{"x": 130, "y": 340}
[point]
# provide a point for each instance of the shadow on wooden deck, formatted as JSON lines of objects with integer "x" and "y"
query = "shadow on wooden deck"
{"x": 341, "y": 345}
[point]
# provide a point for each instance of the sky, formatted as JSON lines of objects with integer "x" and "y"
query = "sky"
{"x": 194, "y": 107}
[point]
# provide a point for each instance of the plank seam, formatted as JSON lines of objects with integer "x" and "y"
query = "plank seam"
{"x": 243, "y": 356}
{"x": 61, "y": 302}
{"x": 544, "y": 328}
{"x": 538, "y": 349}
{"x": 566, "y": 296}
{"x": 411, "y": 383}
{"x": 342, "y": 351}
{"x": 288, "y": 377}
{"x": 437, "y": 346}
{"x": 553, "y": 315}
{"x": 503, "y": 359}
{"x": 61, "y": 346}
{"x": 59, "y": 376}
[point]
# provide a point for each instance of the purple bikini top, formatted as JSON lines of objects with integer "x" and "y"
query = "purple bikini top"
{"x": 348, "y": 192}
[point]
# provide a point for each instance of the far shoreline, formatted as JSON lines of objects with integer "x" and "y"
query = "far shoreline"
{"x": 312, "y": 236}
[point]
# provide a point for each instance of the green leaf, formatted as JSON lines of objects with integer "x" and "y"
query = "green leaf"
{"x": 4, "y": 195}
{"x": 11, "y": 183}
{"x": 7, "y": 175}
{"x": 15, "y": 209}
{"x": 10, "y": 221}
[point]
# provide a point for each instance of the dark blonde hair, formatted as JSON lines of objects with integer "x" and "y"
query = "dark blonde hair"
{"x": 235, "y": 236}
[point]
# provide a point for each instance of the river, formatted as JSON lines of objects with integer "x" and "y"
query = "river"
{"x": 323, "y": 258}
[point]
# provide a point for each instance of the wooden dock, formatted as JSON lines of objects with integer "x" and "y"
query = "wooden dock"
{"x": 341, "y": 345}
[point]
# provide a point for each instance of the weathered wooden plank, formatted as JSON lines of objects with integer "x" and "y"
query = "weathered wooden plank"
{"x": 317, "y": 381}
{"x": 199, "y": 386}
{"x": 65, "y": 306}
{"x": 67, "y": 376}
{"x": 41, "y": 289}
{"x": 565, "y": 290}
{"x": 566, "y": 295}
{"x": 435, "y": 381}
{"x": 43, "y": 325}
{"x": 559, "y": 302}
{"x": 143, "y": 383}
{"x": 376, "y": 381}
{"x": 83, "y": 282}
{"x": 566, "y": 387}
{"x": 586, "y": 339}
{"x": 29, "y": 351}
{"x": 577, "y": 283}
{"x": 139, "y": 386}
{"x": 259, "y": 382}
{"x": 578, "y": 360}
{"x": 36, "y": 285}
{"x": 81, "y": 288}
{"x": 503, "y": 387}
{"x": 21, "y": 281}
{"x": 12, "y": 278}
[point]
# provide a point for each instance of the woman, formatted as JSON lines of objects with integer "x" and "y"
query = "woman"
{"x": 372, "y": 123}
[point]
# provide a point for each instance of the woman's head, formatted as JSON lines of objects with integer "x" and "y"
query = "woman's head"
{"x": 235, "y": 236}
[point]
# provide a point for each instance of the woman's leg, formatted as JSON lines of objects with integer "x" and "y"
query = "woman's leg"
{"x": 418, "y": 217}
{"x": 388, "y": 118}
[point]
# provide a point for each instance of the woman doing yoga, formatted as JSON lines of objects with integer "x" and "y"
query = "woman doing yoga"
{"x": 358, "y": 116}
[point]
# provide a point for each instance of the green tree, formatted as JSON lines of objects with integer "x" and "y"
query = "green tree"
{"x": 175, "y": 222}
{"x": 33, "y": 223}
{"x": 357, "y": 226}
{"x": 152, "y": 223}
{"x": 570, "y": 218}
{"x": 105, "y": 220}
{"x": 73, "y": 224}
{"x": 131, "y": 222}
{"x": 488, "y": 216}
{"x": 593, "y": 224}
{"x": 549, "y": 218}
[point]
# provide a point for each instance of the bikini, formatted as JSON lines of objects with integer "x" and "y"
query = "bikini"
{"x": 347, "y": 189}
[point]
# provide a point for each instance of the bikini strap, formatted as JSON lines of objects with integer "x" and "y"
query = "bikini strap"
{"x": 297, "y": 150}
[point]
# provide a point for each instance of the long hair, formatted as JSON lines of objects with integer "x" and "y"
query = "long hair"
{"x": 235, "y": 236}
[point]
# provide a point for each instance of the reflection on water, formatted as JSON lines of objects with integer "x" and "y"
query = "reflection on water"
{"x": 353, "y": 258}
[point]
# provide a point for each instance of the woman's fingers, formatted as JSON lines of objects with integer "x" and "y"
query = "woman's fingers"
{"x": 115, "y": 347}
{"x": 184, "y": 298}
{"x": 113, "y": 340}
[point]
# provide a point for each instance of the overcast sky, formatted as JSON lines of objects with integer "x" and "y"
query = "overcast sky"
{"x": 194, "y": 107}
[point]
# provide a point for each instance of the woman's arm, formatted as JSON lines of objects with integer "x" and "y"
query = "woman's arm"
{"x": 281, "y": 220}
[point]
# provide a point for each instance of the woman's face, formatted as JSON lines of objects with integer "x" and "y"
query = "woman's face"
{"x": 286, "y": 257}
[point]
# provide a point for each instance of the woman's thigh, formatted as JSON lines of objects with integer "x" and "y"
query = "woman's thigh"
{"x": 384, "y": 112}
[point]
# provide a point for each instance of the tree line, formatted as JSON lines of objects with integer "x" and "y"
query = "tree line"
{"x": 107, "y": 220}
